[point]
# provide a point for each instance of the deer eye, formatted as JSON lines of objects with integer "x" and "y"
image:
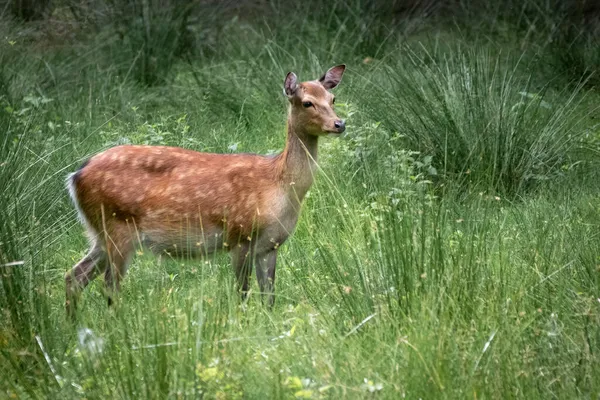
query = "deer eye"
{"x": 307, "y": 104}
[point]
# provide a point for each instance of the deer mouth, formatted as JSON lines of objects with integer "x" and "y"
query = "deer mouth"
{"x": 335, "y": 131}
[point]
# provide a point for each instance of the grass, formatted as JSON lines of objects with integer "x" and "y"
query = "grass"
{"x": 448, "y": 249}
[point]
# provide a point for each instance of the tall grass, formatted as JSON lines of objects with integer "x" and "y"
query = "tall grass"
{"x": 448, "y": 249}
{"x": 479, "y": 117}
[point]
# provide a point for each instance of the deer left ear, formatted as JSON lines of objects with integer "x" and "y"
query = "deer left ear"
{"x": 333, "y": 76}
{"x": 290, "y": 85}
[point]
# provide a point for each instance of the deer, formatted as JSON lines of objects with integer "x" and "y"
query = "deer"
{"x": 189, "y": 203}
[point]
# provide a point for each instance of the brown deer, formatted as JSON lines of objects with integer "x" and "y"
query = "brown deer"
{"x": 190, "y": 203}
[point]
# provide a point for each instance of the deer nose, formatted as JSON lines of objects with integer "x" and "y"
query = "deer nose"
{"x": 340, "y": 125}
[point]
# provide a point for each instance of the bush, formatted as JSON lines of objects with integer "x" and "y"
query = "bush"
{"x": 573, "y": 53}
{"x": 29, "y": 10}
{"x": 152, "y": 35}
{"x": 483, "y": 123}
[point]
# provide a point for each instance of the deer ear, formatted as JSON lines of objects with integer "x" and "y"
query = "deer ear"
{"x": 290, "y": 86}
{"x": 333, "y": 76}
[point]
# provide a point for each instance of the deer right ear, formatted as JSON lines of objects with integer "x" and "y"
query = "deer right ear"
{"x": 290, "y": 86}
{"x": 333, "y": 76}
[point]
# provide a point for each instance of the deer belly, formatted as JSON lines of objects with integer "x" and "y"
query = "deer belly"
{"x": 187, "y": 242}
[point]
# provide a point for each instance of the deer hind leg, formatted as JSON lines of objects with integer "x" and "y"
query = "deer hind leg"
{"x": 119, "y": 248}
{"x": 82, "y": 274}
{"x": 241, "y": 259}
{"x": 265, "y": 274}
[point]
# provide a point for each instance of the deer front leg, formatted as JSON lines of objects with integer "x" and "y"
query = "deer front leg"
{"x": 241, "y": 259}
{"x": 265, "y": 274}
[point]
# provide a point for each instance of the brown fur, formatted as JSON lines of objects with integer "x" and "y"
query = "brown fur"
{"x": 168, "y": 185}
{"x": 186, "y": 202}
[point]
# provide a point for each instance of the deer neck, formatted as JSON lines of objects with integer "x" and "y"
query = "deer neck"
{"x": 298, "y": 161}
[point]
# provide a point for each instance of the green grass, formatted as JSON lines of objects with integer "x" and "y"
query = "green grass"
{"x": 449, "y": 248}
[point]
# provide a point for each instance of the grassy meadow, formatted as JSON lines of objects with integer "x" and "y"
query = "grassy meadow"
{"x": 450, "y": 247}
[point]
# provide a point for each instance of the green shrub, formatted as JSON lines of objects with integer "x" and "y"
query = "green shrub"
{"x": 481, "y": 121}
